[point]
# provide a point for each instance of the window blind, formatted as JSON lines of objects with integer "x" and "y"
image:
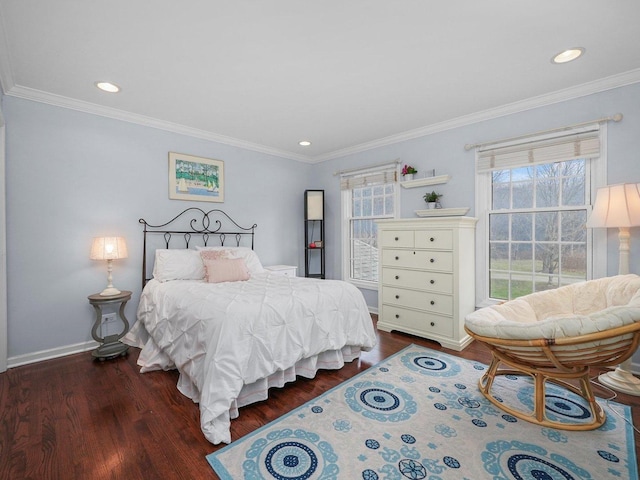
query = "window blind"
{"x": 348, "y": 182}
{"x": 568, "y": 145}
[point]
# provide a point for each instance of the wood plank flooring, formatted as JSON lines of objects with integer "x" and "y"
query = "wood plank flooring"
{"x": 75, "y": 418}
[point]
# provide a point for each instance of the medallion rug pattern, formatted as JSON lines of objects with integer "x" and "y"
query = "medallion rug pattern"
{"x": 419, "y": 415}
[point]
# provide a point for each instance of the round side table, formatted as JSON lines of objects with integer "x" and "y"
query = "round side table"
{"x": 111, "y": 346}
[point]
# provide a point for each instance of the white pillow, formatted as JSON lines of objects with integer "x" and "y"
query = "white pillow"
{"x": 178, "y": 264}
{"x": 249, "y": 256}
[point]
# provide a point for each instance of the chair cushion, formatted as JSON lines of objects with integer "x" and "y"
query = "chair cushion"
{"x": 576, "y": 309}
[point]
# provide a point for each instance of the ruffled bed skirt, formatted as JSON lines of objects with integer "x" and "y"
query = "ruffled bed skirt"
{"x": 152, "y": 358}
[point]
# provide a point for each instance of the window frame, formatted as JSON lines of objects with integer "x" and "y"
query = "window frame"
{"x": 346, "y": 217}
{"x": 596, "y": 238}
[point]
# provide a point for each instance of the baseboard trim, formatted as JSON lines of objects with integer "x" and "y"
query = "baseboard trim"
{"x": 42, "y": 355}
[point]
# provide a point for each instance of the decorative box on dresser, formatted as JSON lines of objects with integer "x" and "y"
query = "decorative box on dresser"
{"x": 427, "y": 277}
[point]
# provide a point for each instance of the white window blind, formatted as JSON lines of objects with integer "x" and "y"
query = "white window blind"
{"x": 348, "y": 182}
{"x": 567, "y": 145}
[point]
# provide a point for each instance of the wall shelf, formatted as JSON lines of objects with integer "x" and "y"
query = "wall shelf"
{"x": 423, "y": 182}
{"x": 442, "y": 212}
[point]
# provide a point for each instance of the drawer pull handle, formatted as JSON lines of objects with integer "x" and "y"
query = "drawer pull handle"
{"x": 397, "y": 297}
{"x": 432, "y": 260}
{"x": 432, "y": 302}
{"x": 397, "y": 316}
{"x": 397, "y": 258}
{"x": 396, "y": 239}
{"x": 433, "y": 324}
{"x": 432, "y": 239}
{"x": 397, "y": 277}
{"x": 432, "y": 282}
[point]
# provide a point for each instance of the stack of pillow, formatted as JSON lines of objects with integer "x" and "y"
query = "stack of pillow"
{"x": 213, "y": 264}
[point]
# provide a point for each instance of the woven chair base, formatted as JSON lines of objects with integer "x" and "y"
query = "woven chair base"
{"x": 540, "y": 377}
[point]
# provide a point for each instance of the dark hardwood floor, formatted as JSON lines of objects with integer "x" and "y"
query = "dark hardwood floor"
{"x": 75, "y": 418}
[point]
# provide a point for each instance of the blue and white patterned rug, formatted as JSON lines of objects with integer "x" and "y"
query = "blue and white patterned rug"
{"x": 419, "y": 415}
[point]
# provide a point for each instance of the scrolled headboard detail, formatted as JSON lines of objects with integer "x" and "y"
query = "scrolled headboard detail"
{"x": 194, "y": 223}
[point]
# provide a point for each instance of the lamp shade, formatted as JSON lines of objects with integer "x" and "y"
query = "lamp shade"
{"x": 616, "y": 206}
{"x": 108, "y": 248}
{"x": 314, "y": 204}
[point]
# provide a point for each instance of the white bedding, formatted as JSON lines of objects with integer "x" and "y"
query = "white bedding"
{"x": 230, "y": 341}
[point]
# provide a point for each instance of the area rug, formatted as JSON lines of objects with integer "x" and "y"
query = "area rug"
{"x": 419, "y": 415}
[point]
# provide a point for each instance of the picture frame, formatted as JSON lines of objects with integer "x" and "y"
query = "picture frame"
{"x": 195, "y": 178}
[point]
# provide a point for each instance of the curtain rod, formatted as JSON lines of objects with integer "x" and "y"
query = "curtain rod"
{"x": 616, "y": 118}
{"x": 362, "y": 169}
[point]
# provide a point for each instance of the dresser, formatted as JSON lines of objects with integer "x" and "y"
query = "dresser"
{"x": 427, "y": 277}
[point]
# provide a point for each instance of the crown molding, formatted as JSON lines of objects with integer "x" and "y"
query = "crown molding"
{"x": 114, "y": 113}
{"x": 603, "y": 84}
{"x": 607, "y": 83}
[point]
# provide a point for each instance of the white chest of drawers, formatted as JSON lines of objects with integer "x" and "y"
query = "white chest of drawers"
{"x": 427, "y": 277}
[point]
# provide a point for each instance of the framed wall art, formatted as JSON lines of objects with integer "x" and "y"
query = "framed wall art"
{"x": 195, "y": 178}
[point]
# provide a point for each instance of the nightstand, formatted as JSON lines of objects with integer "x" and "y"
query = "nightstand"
{"x": 111, "y": 346}
{"x": 286, "y": 270}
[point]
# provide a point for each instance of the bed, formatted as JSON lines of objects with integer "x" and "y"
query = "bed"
{"x": 231, "y": 328}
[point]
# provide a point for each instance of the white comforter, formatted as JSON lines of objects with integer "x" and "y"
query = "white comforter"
{"x": 227, "y": 335}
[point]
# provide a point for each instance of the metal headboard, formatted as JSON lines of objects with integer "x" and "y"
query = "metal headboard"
{"x": 202, "y": 225}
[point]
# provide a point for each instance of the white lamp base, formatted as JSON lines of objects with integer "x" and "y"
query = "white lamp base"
{"x": 110, "y": 291}
{"x": 621, "y": 380}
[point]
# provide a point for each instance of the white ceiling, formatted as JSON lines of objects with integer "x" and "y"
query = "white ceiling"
{"x": 346, "y": 75}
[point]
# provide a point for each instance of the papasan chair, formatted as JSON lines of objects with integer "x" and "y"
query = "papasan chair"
{"x": 556, "y": 336}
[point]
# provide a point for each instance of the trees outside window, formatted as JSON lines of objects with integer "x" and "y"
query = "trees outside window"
{"x": 537, "y": 237}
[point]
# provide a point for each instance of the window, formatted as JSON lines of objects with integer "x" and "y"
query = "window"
{"x": 537, "y": 238}
{"x": 533, "y": 200}
{"x": 367, "y": 196}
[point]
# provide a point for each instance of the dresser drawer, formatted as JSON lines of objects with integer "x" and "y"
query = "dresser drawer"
{"x": 438, "y": 239}
{"x": 440, "y": 261}
{"x": 422, "y": 321}
{"x": 418, "y": 259}
{"x": 423, "y": 280}
{"x": 398, "y": 258}
{"x": 397, "y": 238}
{"x": 433, "y": 302}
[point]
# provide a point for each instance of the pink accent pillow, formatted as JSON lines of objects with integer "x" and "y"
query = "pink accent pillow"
{"x": 215, "y": 254}
{"x": 250, "y": 257}
{"x": 226, "y": 270}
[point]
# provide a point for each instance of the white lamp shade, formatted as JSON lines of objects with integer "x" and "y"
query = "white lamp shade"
{"x": 616, "y": 206}
{"x": 108, "y": 248}
{"x": 315, "y": 204}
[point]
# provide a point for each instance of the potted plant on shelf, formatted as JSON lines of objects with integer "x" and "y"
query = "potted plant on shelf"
{"x": 408, "y": 171}
{"x": 432, "y": 199}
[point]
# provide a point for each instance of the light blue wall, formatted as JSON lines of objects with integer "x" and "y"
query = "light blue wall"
{"x": 72, "y": 176}
{"x": 444, "y": 152}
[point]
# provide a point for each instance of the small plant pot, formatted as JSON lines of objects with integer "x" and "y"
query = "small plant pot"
{"x": 408, "y": 176}
{"x": 431, "y": 205}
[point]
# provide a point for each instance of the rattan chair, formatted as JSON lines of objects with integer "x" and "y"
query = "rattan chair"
{"x": 556, "y": 336}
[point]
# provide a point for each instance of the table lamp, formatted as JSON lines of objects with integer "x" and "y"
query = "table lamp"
{"x": 619, "y": 206}
{"x": 109, "y": 249}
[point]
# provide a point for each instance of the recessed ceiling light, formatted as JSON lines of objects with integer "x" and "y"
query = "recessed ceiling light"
{"x": 108, "y": 87}
{"x": 304, "y": 143}
{"x": 568, "y": 55}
